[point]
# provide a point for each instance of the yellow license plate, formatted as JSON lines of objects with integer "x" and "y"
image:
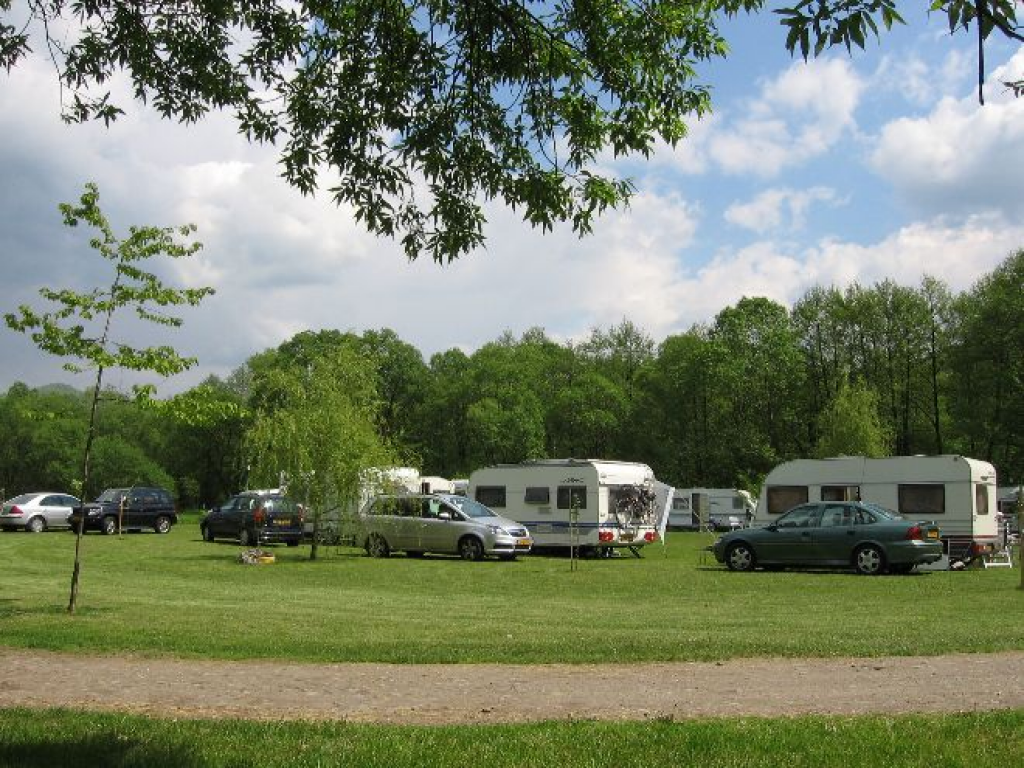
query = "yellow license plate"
{"x": 626, "y": 537}
{"x": 933, "y": 534}
{"x": 283, "y": 523}
{"x": 522, "y": 542}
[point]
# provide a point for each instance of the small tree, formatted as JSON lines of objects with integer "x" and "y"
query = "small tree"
{"x": 80, "y": 328}
{"x": 317, "y": 425}
{"x": 850, "y": 425}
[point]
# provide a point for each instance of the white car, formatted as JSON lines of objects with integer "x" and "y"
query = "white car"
{"x": 38, "y": 511}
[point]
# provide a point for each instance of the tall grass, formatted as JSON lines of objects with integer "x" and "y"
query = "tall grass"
{"x": 177, "y": 595}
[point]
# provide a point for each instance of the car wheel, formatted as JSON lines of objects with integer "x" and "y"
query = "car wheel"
{"x": 207, "y": 533}
{"x": 108, "y": 526}
{"x": 470, "y": 548}
{"x": 740, "y": 557}
{"x": 377, "y": 546}
{"x": 36, "y": 525}
{"x": 162, "y": 524}
{"x": 869, "y": 560}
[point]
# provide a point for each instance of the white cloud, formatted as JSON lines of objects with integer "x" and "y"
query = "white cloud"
{"x": 781, "y": 208}
{"x": 961, "y": 157}
{"x": 957, "y": 253}
{"x": 798, "y": 116}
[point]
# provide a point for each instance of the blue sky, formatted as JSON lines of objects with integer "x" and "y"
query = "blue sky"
{"x": 844, "y": 169}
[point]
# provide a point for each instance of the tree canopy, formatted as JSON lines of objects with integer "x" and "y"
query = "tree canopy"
{"x": 415, "y": 113}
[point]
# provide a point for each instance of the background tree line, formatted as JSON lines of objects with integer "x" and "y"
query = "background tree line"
{"x": 879, "y": 370}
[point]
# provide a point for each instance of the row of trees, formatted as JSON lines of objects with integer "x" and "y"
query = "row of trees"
{"x": 878, "y": 370}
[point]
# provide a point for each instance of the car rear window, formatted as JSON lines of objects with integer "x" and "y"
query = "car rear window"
{"x": 25, "y": 497}
{"x": 279, "y": 506}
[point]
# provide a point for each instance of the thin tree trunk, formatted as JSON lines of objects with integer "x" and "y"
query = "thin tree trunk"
{"x": 73, "y": 600}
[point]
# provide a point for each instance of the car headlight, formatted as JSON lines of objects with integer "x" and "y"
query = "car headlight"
{"x": 497, "y": 530}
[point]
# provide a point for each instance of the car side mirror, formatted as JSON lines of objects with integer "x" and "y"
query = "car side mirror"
{"x": 773, "y": 527}
{"x": 444, "y": 515}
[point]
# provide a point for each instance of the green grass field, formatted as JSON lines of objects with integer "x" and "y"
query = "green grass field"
{"x": 45, "y": 739}
{"x": 179, "y": 596}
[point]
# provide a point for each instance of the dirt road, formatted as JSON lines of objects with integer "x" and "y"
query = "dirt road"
{"x": 490, "y": 693}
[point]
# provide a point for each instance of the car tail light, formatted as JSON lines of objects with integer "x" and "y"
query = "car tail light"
{"x": 650, "y": 536}
{"x": 914, "y": 533}
{"x": 605, "y": 536}
{"x": 14, "y": 511}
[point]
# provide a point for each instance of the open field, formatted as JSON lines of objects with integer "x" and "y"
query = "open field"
{"x": 177, "y": 596}
{"x": 48, "y": 738}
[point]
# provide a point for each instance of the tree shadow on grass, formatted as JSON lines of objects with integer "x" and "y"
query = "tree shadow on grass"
{"x": 104, "y": 748}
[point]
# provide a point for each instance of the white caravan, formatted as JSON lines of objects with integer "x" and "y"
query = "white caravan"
{"x": 716, "y": 508}
{"x": 957, "y": 493}
{"x": 615, "y": 503}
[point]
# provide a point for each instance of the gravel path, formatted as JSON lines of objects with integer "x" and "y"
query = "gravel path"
{"x": 492, "y": 693}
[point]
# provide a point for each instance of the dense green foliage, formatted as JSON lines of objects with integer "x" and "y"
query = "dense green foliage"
{"x": 55, "y": 738}
{"x": 880, "y": 369}
{"x": 176, "y": 595}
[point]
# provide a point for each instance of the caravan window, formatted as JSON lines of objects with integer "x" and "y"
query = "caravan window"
{"x": 538, "y": 495}
{"x": 570, "y": 496}
{"x": 783, "y": 497}
{"x": 981, "y": 499}
{"x": 923, "y": 499}
{"x": 681, "y": 502}
{"x": 840, "y": 493}
{"x": 492, "y": 496}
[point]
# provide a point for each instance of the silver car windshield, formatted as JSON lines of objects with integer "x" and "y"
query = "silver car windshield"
{"x": 469, "y": 507}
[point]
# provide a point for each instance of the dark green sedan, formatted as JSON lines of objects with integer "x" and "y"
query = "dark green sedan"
{"x": 833, "y": 534}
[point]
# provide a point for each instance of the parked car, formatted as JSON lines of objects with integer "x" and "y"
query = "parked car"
{"x": 38, "y": 511}
{"x": 867, "y": 537}
{"x": 254, "y": 518}
{"x": 442, "y": 523}
{"x": 133, "y": 508}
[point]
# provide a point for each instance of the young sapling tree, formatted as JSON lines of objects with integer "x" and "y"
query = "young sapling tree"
{"x": 80, "y": 327}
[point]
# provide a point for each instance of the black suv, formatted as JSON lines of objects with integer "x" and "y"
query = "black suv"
{"x": 127, "y": 509}
{"x": 255, "y": 517}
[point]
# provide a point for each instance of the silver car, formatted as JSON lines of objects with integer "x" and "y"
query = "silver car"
{"x": 442, "y": 523}
{"x": 38, "y": 511}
